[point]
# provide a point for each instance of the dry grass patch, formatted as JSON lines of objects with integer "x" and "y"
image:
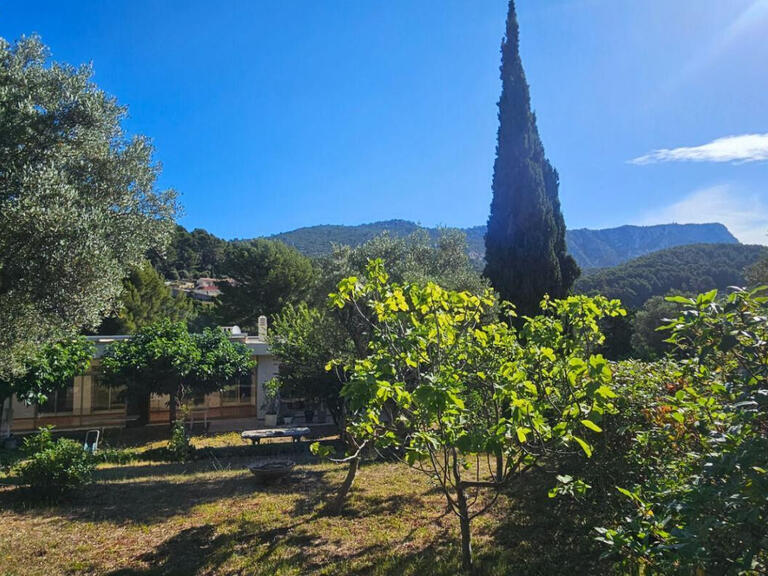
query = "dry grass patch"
{"x": 211, "y": 518}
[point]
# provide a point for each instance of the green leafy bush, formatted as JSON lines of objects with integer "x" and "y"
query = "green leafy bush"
{"x": 179, "y": 448}
{"x": 114, "y": 456}
{"x": 56, "y": 468}
{"x": 693, "y": 478}
{"x": 39, "y": 442}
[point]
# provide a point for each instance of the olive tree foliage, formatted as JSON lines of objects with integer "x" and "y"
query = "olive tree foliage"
{"x": 699, "y": 500}
{"x": 469, "y": 402}
{"x": 305, "y": 339}
{"x": 78, "y": 203}
{"x": 51, "y": 367}
{"x": 413, "y": 258}
{"x": 165, "y": 359}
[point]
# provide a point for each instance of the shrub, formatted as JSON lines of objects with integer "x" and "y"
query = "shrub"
{"x": 179, "y": 448}
{"x": 58, "y": 468}
{"x": 114, "y": 456}
{"x": 39, "y": 442}
{"x": 695, "y": 482}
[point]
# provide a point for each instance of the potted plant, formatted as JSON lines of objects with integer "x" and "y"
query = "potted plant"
{"x": 272, "y": 404}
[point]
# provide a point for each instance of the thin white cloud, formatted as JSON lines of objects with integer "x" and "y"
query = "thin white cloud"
{"x": 744, "y": 148}
{"x": 745, "y": 214}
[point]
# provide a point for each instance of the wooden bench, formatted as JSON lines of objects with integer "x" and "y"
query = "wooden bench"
{"x": 295, "y": 433}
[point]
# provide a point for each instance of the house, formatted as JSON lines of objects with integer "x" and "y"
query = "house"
{"x": 203, "y": 289}
{"x": 87, "y": 403}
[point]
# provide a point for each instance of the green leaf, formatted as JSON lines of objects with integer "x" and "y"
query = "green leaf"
{"x": 321, "y": 450}
{"x": 584, "y": 446}
{"x": 626, "y": 492}
{"x": 591, "y": 425}
{"x": 605, "y": 391}
{"x": 679, "y": 299}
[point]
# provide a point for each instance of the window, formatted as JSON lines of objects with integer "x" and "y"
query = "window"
{"x": 158, "y": 402}
{"x": 238, "y": 393}
{"x": 59, "y": 401}
{"x": 105, "y": 397}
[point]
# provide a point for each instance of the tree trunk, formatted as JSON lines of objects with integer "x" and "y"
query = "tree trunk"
{"x": 499, "y": 465}
{"x": 466, "y": 534}
{"x": 172, "y": 405}
{"x": 336, "y": 506}
{"x": 138, "y": 405}
{"x": 464, "y": 520}
{"x": 2, "y": 422}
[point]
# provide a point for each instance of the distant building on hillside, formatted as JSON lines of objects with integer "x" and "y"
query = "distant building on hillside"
{"x": 203, "y": 289}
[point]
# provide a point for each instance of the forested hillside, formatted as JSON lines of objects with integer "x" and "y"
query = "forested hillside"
{"x": 591, "y": 248}
{"x": 695, "y": 268}
{"x": 199, "y": 253}
{"x": 191, "y": 255}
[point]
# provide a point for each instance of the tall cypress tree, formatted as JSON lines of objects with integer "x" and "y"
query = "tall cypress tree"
{"x": 525, "y": 248}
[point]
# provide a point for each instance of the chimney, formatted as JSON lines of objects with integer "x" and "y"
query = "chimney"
{"x": 263, "y": 328}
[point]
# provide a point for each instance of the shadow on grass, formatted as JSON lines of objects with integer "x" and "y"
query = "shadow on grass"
{"x": 246, "y": 548}
{"x": 122, "y": 495}
{"x": 204, "y": 549}
{"x": 530, "y": 534}
{"x": 539, "y": 535}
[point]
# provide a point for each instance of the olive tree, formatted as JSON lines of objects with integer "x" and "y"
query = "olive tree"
{"x": 78, "y": 201}
{"x": 469, "y": 402}
{"x": 305, "y": 339}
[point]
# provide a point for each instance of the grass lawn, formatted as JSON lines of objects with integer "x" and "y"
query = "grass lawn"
{"x": 209, "y": 517}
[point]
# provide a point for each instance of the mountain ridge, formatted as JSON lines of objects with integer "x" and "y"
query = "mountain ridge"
{"x": 592, "y": 248}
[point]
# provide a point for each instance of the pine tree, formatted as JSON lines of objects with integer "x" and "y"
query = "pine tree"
{"x": 525, "y": 243}
{"x": 145, "y": 300}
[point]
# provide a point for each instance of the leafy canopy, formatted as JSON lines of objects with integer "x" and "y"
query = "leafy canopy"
{"x": 267, "y": 275}
{"x": 52, "y": 367}
{"x": 699, "y": 502}
{"x": 146, "y": 299}
{"x": 305, "y": 339}
{"x": 445, "y": 388}
{"x": 78, "y": 202}
{"x": 164, "y": 358}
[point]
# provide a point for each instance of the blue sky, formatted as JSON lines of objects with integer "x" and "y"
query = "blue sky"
{"x": 270, "y": 115}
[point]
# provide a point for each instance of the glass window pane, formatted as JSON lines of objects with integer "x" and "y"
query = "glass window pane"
{"x": 58, "y": 401}
{"x": 245, "y": 390}
{"x": 65, "y": 399}
{"x": 99, "y": 396}
{"x": 105, "y": 397}
{"x": 237, "y": 393}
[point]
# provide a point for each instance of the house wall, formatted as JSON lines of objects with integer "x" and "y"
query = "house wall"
{"x": 266, "y": 369}
{"x": 84, "y": 416}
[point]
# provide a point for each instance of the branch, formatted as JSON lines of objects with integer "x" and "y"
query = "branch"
{"x": 354, "y": 456}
